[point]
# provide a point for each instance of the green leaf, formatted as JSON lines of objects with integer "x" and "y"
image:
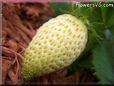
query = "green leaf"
{"x": 98, "y": 26}
{"x": 102, "y": 61}
{"x": 58, "y": 6}
{"x": 108, "y": 16}
{"x": 95, "y": 16}
{"x": 104, "y": 11}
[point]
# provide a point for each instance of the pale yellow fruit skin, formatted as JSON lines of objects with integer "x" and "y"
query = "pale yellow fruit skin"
{"x": 56, "y": 45}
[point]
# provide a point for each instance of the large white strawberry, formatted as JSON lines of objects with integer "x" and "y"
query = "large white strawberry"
{"x": 56, "y": 45}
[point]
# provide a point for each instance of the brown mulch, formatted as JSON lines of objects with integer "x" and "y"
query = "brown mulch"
{"x": 20, "y": 22}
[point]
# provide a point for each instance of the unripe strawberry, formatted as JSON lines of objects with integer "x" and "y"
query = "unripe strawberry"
{"x": 56, "y": 45}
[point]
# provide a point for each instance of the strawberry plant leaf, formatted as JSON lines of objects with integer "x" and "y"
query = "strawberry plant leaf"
{"x": 58, "y": 6}
{"x": 95, "y": 15}
{"x": 102, "y": 61}
{"x": 108, "y": 16}
{"x": 104, "y": 11}
{"x": 98, "y": 26}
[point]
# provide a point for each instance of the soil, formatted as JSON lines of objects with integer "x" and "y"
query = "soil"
{"x": 20, "y": 23}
